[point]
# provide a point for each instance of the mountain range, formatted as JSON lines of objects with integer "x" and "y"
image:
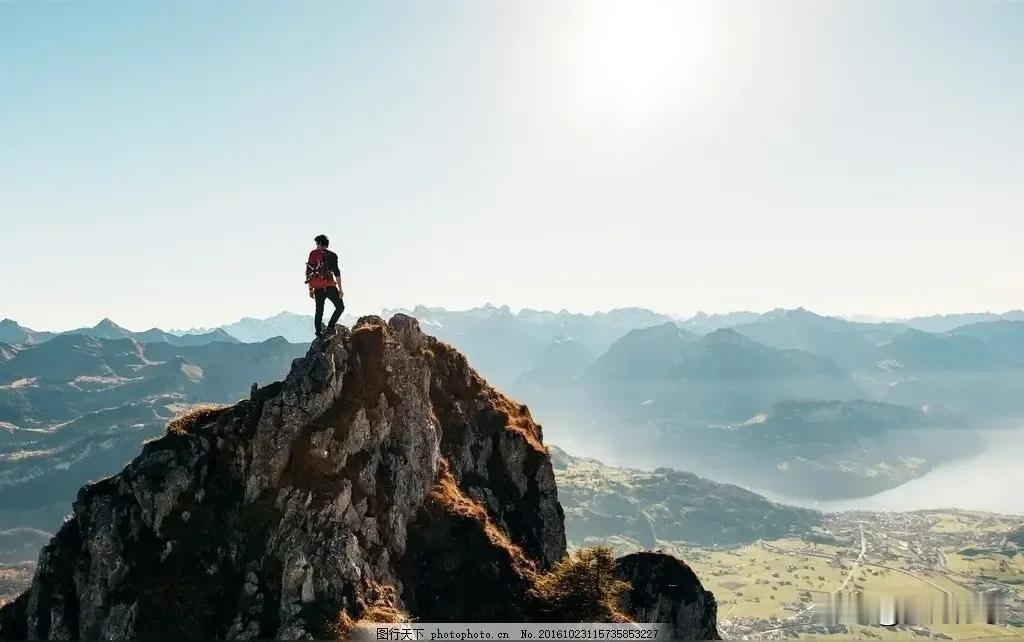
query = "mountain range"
{"x": 77, "y": 407}
{"x": 604, "y": 503}
{"x": 12, "y": 333}
{"x": 296, "y": 328}
{"x": 948, "y": 322}
{"x": 603, "y": 382}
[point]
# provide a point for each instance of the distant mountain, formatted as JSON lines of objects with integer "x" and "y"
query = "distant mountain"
{"x": 947, "y": 322}
{"x": 975, "y": 371}
{"x": 724, "y": 404}
{"x": 77, "y": 407}
{"x": 703, "y": 323}
{"x": 40, "y": 468}
{"x": 1004, "y": 338}
{"x": 295, "y": 328}
{"x": 630, "y": 381}
{"x": 820, "y": 449}
{"x": 880, "y": 332}
{"x": 799, "y": 329}
{"x": 593, "y": 331}
{"x": 11, "y": 332}
{"x": 564, "y": 354}
{"x": 218, "y": 335}
{"x": 918, "y": 350}
{"x": 604, "y": 502}
{"x": 74, "y": 374}
{"x": 556, "y": 366}
{"x": 665, "y": 372}
{"x": 506, "y": 346}
{"x": 830, "y": 423}
{"x": 499, "y": 344}
{"x": 655, "y": 353}
{"x": 987, "y": 397}
{"x": 70, "y": 356}
{"x": 667, "y": 352}
{"x": 107, "y": 329}
{"x": 727, "y": 354}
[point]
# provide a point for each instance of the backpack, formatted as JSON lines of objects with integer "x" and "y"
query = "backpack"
{"x": 318, "y": 270}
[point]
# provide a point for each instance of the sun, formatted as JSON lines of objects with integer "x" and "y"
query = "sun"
{"x": 640, "y": 60}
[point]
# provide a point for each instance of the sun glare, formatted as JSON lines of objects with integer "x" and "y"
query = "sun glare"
{"x": 640, "y": 61}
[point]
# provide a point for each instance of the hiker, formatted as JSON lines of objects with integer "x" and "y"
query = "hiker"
{"x": 324, "y": 280}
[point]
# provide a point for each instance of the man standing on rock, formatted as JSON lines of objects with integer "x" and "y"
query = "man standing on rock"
{"x": 324, "y": 280}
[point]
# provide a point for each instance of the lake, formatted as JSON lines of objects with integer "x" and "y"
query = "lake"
{"x": 989, "y": 481}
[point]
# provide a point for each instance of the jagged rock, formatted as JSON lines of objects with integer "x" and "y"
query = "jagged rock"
{"x": 665, "y": 589}
{"x": 383, "y": 465}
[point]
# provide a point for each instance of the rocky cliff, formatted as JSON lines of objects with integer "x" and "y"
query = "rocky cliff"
{"x": 382, "y": 476}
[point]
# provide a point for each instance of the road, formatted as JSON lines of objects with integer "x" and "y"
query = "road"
{"x": 859, "y": 561}
{"x": 796, "y": 620}
{"x": 856, "y": 564}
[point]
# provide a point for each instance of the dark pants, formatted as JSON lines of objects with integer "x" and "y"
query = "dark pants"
{"x": 321, "y": 295}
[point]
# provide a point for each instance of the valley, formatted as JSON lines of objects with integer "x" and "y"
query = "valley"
{"x": 777, "y": 582}
{"x": 779, "y": 588}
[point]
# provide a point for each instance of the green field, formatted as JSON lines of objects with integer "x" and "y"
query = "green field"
{"x": 768, "y": 589}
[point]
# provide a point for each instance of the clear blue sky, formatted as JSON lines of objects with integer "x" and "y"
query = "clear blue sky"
{"x": 168, "y": 163}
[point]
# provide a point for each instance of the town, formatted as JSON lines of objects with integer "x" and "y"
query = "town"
{"x": 965, "y": 570}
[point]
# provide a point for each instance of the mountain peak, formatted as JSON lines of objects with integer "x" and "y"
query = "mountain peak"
{"x": 793, "y": 313}
{"x": 13, "y": 333}
{"x": 728, "y": 335}
{"x": 382, "y": 462}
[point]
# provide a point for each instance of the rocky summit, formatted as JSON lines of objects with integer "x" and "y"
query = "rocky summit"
{"x": 383, "y": 478}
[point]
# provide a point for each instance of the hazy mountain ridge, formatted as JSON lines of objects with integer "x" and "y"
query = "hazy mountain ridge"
{"x": 594, "y": 378}
{"x": 919, "y": 350}
{"x": 295, "y": 328}
{"x": 703, "y": 322}
{"x": 77, "y": 407}
{"x": 15, "y": 334}
{"x": 800, "y": 329}
{"x": 827, "y": 449}
{"x": 603, "y": 502}
{"x": 490, "y": 330}
{"x": 947, "y": 322}
{"x": 663, "y": 389}
{"x": 506, "y": 345}
{"x": 1003, "y": 337}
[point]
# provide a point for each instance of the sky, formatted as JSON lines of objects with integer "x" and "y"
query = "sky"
{"x": 167, "y": 164}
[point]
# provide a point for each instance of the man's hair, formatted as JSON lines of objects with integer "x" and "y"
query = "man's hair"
{"x": 322, "y": 240}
